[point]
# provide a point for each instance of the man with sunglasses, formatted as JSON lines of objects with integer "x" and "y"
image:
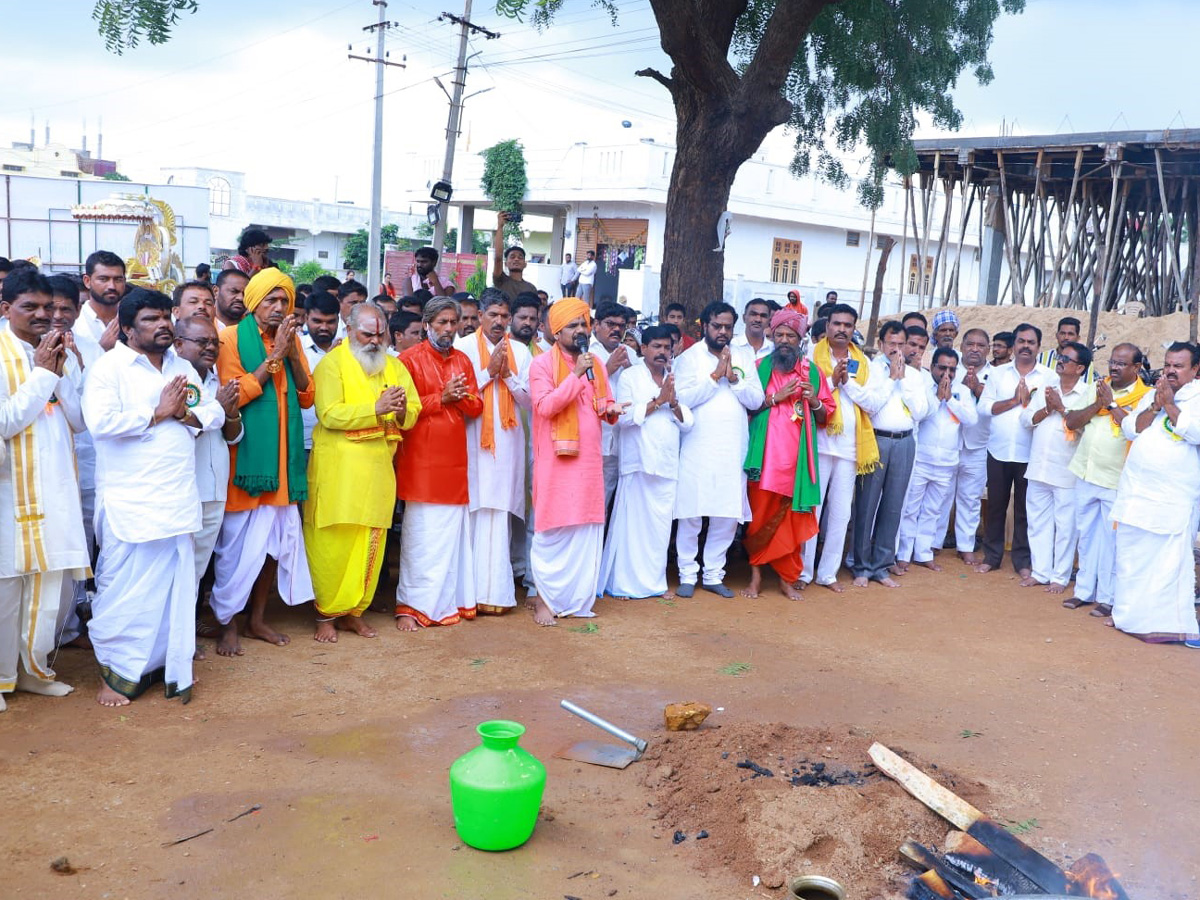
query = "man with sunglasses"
{"x": 1050, "y": 491}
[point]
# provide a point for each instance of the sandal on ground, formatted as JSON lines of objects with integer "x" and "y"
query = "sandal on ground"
{"x": 1075, "y": 603}
{"x": 1101, "y": 611}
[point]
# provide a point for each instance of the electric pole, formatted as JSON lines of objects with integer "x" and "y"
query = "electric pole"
{"x": 466, "y": 29}
{"x": 374, "y": 248}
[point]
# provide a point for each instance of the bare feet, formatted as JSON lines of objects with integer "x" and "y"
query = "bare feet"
{"x": 1024, "y": 573}
{"x": 835, "y": 586}
{"x": 325, "y": 633}
{"x": 106, "y": 696}
{"x": 970, "y": 558}
{"x": 407, "y": 623}
{"x": 788, "y": 591}
{"x": 542, "y": 614}
{"x": 931, "y": 565}
{"x": 751, "y": 590}
{"x": 983, "y": 568}
{"x": 861, "y": 581}
{"x": 531, "y": 601}
{"x": 229, "y": 644}
{"x": 357, "y": 625}
{"x": 900, "y": 568}
{"x": 1027, "y": 581}
{"x": 669, "y": 595}
{"x": 888, "y": 582}
{"x": 31, "y": 685}
{"x": 199, "y": 655}
{"x": 257, "y": 628}
{"x": 1053, "y": 588}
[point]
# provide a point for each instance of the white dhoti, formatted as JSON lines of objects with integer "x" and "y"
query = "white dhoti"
{"x": 144, "y": 619}
{"x": 565, "y": 563}
{"x": 212, "y": 515}
{"x": 1097, "y": 542}
{"x": 837, "y": 502}
{"x": 717, "y": 539}
{"x": 437, "y": 568}
{"x": 969, "y": 481}
{"x": 1155, "y": 584}
{"x": 634, "y": 561}
{"x": 491, "y": 546}
{"x": 1050, "y": 513}
{"x": 245, "y": 541}
{"x": 922, "y": 524}
{"x": 29, "y": 606}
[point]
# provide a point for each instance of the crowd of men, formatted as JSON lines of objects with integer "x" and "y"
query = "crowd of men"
{"x": 203, "y": 452}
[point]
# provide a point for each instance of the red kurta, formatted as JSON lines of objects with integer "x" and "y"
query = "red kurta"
{"x": 431, "y": 465}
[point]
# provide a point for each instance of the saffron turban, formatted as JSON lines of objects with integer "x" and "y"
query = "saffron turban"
{"x": 563, "y": 311}
{"x": 265, "y": 282}
{"x": 945, "y": 317}
{"x": 792, "y": 318}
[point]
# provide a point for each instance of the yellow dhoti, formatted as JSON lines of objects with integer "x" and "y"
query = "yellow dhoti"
{"x": 345, "y": 562}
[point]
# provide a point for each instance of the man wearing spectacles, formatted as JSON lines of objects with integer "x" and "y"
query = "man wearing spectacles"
{"x": 196, "y": 341}
{"x": 1050, "y": 490}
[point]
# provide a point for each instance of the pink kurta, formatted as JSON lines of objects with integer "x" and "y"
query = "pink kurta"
{"x": 567, "y": 490}
{"x": 782, "y": 451}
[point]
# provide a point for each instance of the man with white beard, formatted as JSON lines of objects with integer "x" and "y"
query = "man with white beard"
{"x": 365, "y": 399}
{"x": 496, "y": 451}
{"x": 711, "y": 380}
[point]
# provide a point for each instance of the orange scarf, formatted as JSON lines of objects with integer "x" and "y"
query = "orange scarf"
{"x": 508, "y": 408}
{"x": 564, "y": 429}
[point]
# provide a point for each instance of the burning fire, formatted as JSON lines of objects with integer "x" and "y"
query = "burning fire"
{"x": 1091, "y": 877}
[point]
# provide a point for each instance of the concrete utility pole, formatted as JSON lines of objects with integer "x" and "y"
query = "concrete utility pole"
{"x": 466, "y": 29}
{"x": 374, "y": 250}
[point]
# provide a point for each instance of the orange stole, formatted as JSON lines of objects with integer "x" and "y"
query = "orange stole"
{"x": 508, "y": 407}
{"x": 776, "y": 533}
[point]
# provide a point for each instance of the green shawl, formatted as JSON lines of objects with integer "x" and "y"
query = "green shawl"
{"x": 806, "y": 495}
{"x": 258, "y": 453}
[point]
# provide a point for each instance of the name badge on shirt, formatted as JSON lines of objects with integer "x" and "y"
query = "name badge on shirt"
{"x": 191, "y": 395}
{"x": 1170, "y": 430}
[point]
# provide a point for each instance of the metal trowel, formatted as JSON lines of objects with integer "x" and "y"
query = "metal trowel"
{"x": 614, "y": 756}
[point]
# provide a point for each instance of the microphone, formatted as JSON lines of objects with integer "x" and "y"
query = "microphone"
{"x": 581, "y": 344}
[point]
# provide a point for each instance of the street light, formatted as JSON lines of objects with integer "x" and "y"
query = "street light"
{"x": 441, "y": 192}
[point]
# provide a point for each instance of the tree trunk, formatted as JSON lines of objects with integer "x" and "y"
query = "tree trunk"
{"x": 885, "y": 250}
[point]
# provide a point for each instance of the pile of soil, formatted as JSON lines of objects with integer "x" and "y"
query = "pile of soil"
{"x": 824, "y": 809}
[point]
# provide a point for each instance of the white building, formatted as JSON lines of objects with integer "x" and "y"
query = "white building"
{"x": 303, "y": 229}
{"x": 787, "y": 233}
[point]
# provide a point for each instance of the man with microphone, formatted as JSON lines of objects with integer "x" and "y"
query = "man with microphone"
{"x": 571, "y": 397}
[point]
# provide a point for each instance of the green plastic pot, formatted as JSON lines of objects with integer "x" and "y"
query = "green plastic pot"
{"x": 496, "y": 789}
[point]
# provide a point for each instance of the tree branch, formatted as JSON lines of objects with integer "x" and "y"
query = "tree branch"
{"x": 782, "y": 39}
{"x": 696, "y": 35}
{"x": 657, "y": 76}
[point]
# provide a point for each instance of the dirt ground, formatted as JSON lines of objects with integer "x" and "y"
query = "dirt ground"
{"x": 1083, "y": 737}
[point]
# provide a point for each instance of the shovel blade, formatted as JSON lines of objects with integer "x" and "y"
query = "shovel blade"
{"x": 614, "y": 756}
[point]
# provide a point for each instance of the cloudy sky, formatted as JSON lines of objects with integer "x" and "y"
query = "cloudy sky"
{"x": 266, "y": 87}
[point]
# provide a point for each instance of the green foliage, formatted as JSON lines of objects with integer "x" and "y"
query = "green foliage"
{"x": 478, "y": 281}
{"x": 589, "y": 628}
{"x": 124, "y": 23}
{"x": 354, "y": 251}
{"x": 504, "y": 180}
{"x": 114, "y": 176}
{"x": 1023, "y": 827}
{"x": 303, "y": 273}
{"x": 735, "y": 669}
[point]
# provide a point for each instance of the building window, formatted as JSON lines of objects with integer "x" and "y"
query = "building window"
{"x": 322, "y": 254}
{"x": 852, "y": 238}
{"x": 9, "y": 167}
{"x": 879, "y": 241}
{"x": 219, "y": 194}
{"x": 912, "y": 275}
{"x": 785, "y": 261}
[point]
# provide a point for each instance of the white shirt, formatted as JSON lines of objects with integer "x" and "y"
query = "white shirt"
{"x": 940, "y": 432}
{"x": 711, "y": 479}
{"x": 850, "y": 396}
{"x": 767, "y": 348}
{"x": 314, "y": 355}
{"x": 608, "y": 433}
{"x": 899, "y": 403}
{"x": 212, "y": 451}
{"x": 497, "y": 481}
{"x": 975, "y": 437}
{"x": 649, "y": 444}
{"x": 587, "y": 272}
{"x": 1010, "y": 439}
{"x": 53, "y": 469}
{"x": 145, "y": 475}
{"x": 1050, "y": 452}
{"x": 1160, "y": 484}
{"x": 568, "y": 273}
{"x": 88, "y": 330}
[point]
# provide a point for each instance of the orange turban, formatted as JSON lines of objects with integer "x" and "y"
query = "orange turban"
{"x": 265, "y": 282}
{"x": 563, "y": 311}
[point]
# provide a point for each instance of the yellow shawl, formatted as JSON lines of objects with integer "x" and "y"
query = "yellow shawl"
{"x": 866, "y": 449}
